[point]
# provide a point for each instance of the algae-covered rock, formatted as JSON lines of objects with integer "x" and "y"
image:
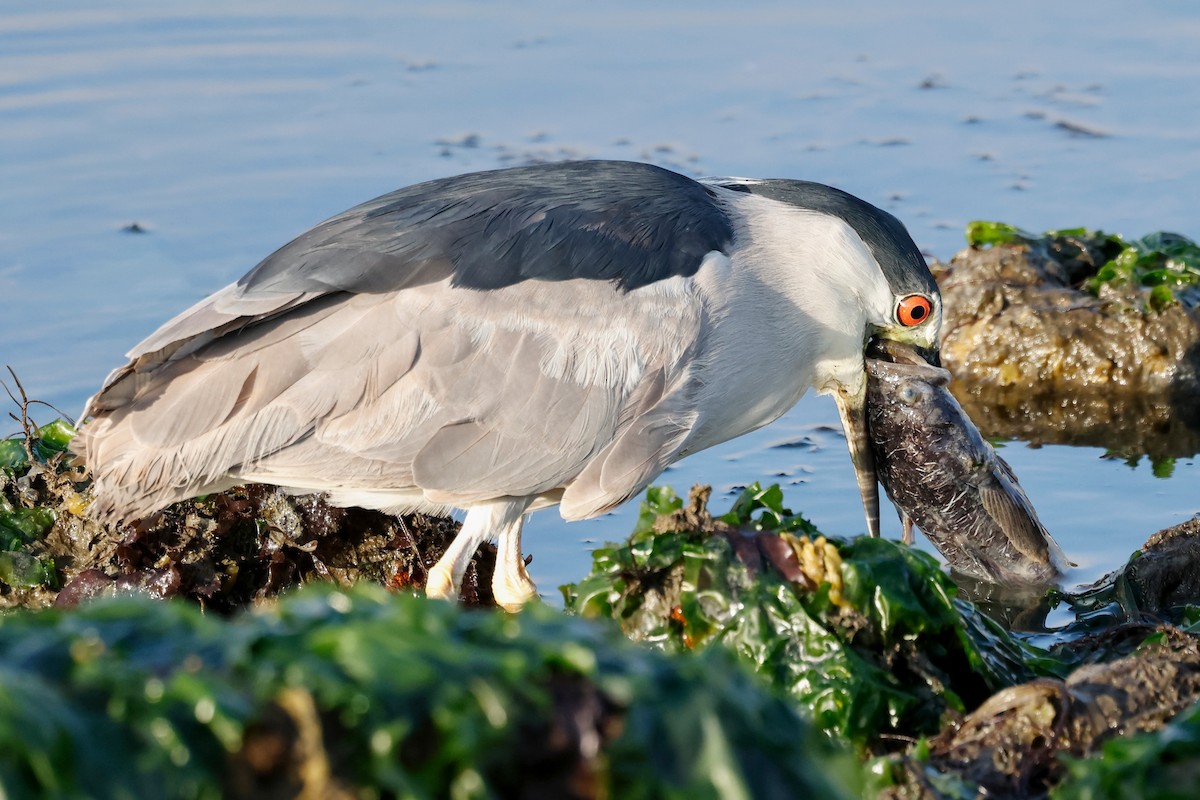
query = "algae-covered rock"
{"x": 864, "y": 634}
{"x": 1015, "y": 317}
{"x": 1076, "y": 337}
{"x": 867, "y": 636}
{"x": 28, "y": 464}
{"x": 1017, "y": 743}
{"x": 1163, "y": 765}
{"x": 363, "y": 693}
{"x": 224, "y": 551}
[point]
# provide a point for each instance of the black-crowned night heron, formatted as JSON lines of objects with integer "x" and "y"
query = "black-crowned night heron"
{"x": 505, "y": 341}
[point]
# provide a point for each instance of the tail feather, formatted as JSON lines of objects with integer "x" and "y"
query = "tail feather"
{"x": 168, "y": 430}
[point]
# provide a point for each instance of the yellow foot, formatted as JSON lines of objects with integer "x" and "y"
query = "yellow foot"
{"x": 513, "y": 591}
{"x": 440, "y": 584}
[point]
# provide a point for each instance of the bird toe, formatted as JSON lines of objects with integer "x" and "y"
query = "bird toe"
{"x": 513, "y": 591}
{"x": 440, "y": 584}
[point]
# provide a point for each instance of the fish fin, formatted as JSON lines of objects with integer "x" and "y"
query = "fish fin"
{"x": 1007, "y": 504}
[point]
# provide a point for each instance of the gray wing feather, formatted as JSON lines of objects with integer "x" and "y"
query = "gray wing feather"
{"x": 485, "y": 417}
{"x": 628, "y": 464}
{"x": 218, "y": 314}
{"x": 196, "y": 419}
{"x": 511, "y": 453}
{"x": 206, "y": 322}
{"x": 627, "y": 223}
{"x": 436, "y": 391}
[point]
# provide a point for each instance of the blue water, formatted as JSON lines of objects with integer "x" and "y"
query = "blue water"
{"x": 225, "y": 128}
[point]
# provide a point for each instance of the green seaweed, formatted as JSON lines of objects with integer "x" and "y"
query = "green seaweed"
{"x": 55, "y": 437}
{"x": 762, "y": 509}
{"x": 43, "y": 441}
{"x": 13, "y": 458}
{"x": 1163, "y": 263}
{"x": 23, "y": 570}
{"x": 888, "y": 658}
{"x": 1161, "y": 259}
{"x": 984, "y": 233}
{"x": 22, "y": 526}
{"x": 129, "y": 697}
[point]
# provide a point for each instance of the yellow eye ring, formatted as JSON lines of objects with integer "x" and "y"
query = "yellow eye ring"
{"x": 913, "y": 310}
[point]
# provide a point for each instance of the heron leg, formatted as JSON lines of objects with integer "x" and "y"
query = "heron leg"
{"x": 906, "y": 525}
{"x": 511, "y": 585}
{"x": 445, "y": 578}
{"x": 482, "y": 521}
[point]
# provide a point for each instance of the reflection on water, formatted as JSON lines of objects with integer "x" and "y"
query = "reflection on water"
{"x": 1160, "y": 583}
{"x": 1019, "y": 608}
{"x": 1127, "y": 426}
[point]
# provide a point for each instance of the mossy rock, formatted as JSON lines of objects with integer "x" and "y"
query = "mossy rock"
{"x": 364, "y": 693}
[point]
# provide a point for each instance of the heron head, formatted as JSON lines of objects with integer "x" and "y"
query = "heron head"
{"x": 854, "y": 273}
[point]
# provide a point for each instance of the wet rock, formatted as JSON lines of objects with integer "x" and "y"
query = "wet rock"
{"x": 1165, "y": 576}
{"x": 1160, "y": 582}
{"x": 1010, "y": 745}
{"x": 1013, "y": 744}
{"x": 224, "y": 551}
{"x": 1037, "y": 357}
{"x": 156, "y": 583}
{"x": 84, "y": 586}
{"x": 1015, "y": 317}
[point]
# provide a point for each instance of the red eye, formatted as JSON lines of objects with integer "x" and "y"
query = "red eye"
{"x": 913, "y": 310}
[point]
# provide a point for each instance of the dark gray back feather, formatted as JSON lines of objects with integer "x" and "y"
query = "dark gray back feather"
{"x": 630, "y": 223}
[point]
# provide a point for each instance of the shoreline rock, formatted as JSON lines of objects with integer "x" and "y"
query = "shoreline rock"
{"x": 1037, "y": 357}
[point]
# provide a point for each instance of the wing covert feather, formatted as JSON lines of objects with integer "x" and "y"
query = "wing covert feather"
{"x": 447, "y": 392}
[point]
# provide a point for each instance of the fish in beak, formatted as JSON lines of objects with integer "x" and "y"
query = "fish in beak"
{"x": 852, "y": 408}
